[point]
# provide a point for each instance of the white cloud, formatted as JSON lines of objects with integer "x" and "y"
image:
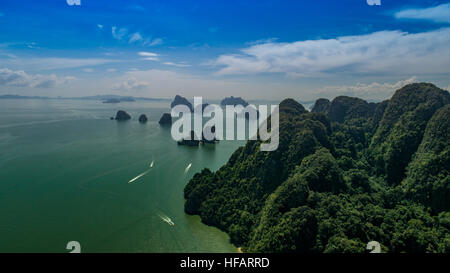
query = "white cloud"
{"x": 379, "y": 53}
{"x": 372, "y": 91}
{"x": 148, "y": 56}
{"x": 130, "y": 84}
{"x": 51, "y": 63}
{"x": 154, "y": 42}
{"x": 88, "y": 70}
{"x": 111, "y": 70}
{"x": 100, "y": 26}
{"x": 165, "y": 83}
{"x": 19, "y": 78}
{"x": 135, "y": 37}
{"x": 32, "y": 45}
{"x": 177, "y": 64}
{"x": 119, "y": 33}
{"x": 439, "y": 14}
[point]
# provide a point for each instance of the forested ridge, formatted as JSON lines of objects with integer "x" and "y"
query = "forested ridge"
{"x": 344, "y": 174}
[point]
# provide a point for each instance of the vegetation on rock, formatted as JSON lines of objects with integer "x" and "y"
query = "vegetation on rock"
{"x": 348, "y": 173}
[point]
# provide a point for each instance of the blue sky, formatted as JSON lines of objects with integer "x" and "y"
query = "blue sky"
{"x": 255, "y": 49}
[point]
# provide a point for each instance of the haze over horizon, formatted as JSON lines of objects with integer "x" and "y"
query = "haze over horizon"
{"x": 253, "y": 49}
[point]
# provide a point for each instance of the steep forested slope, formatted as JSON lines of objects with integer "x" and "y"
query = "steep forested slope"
{"x": 348, "y": 173}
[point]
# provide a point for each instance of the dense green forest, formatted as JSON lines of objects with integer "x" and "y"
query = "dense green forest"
{"x": 346, "y": 173}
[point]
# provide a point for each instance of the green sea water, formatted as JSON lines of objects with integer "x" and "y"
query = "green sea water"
{"x": 64, "y": 173}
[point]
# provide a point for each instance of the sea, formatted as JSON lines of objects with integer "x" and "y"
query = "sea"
{"x": 70, "y": 174}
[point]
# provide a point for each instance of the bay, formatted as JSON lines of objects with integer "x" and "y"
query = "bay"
{"x": 64, "y": 176}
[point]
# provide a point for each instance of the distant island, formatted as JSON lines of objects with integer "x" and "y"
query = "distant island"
{"x": 103, "y": 98}
{"x": 119, "y": 100}
{"x": 233, "y": 101}
{"x": 179, "y": 100}
{"x": 112, "y": 101}
{"x": 345, "y": 174}
{"x": 122, "y": 116}
{"x": 21, "y": 97}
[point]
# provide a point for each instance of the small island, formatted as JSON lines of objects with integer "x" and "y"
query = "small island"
{"x": 143, "y": 119}
{"x": 122, "y": 116}
{"x": 166, "y": 119}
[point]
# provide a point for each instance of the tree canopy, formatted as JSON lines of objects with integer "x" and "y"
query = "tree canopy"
{"x": 345, "y": 174}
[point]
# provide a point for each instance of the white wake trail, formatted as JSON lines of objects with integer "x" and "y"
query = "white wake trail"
{"x": 137, "y": 177}
{"x": 187, "y": 168}
{"x": 166, "y": 219}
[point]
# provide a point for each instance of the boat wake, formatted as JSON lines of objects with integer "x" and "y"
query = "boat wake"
{"x": 137, "y": 177}
{"x": 166, "y": 219}
{"x": 187, "y": 168}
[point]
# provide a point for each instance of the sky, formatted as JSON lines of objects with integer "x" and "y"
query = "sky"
{"x": 256, "y": 49}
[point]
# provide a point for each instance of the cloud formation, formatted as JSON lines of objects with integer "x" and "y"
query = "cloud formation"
{"x": 118, "y": 33}
{"x": 52, "y": 63}
{"x": 123, "y": 34}
{"x": 19, "y": 78}
{"x": 379, "y": 53}
{"x": 148, "y": 56}
{"x": 182, "y": 64}
{"x": 130, "y": 84}
{"x": 438, "y": 14}
{"x": 372, "y": 91}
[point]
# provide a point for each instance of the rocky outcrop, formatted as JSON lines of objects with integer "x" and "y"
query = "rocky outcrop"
{"x": 179, "y": 100}
{"x": 233, "y": 101}
{"x": 166, "y": 119}
{"x": 122, "y": 115}
{"x": 143, "y": 119}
